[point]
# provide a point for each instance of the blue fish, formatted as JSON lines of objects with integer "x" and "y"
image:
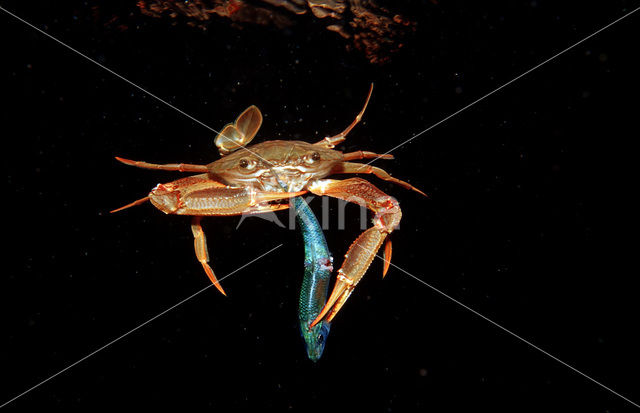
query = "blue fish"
{"x": 318, "y": 266}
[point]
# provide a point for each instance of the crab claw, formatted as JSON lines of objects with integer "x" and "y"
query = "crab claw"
{"x": 341, "y": 292}
{"x": 386, "y": 256}
{"x": 356, "y": 263}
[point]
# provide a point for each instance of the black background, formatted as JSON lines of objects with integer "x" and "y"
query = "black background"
{"x": 531, "y": 219}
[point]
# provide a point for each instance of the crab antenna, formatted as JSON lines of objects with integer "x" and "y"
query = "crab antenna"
{"x": 134, "y": 203}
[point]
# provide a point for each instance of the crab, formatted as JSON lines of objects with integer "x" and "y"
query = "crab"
{"x": 261, "y": 178}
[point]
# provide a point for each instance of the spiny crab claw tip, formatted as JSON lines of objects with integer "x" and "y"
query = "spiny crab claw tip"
{"x": 320, "y": 316}
{"x": 219, "y": 287}
{"x": 314, "y": 322}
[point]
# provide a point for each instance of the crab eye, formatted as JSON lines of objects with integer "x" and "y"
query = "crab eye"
{"x": 312, "y": 157}
{"x": 247, "y": 164}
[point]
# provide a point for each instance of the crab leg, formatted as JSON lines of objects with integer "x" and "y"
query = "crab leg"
{"x": 386, "y": 255}
{"x": 182, "y": 167}
{"x": 365, "y": 155}
{"x": 200, "y": 195}
{"x": 331, "y": 141}
{"x": 200, "y": 244}
{"x": 134, "y": 203}
{"x": 358, "y": 168}
{"x": 364, "y": 248}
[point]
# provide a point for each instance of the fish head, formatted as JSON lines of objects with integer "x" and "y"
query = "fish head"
{"x": 315, "y": 338}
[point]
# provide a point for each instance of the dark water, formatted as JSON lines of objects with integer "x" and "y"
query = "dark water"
{"x": 530, "y": 219}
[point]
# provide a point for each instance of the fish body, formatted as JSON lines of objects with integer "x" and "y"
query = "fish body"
{"x": 318, "y": 266}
